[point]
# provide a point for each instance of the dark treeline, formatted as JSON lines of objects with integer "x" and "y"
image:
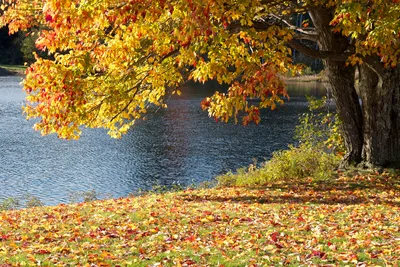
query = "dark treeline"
{"x": 10, "y": 48}
{"x": 16, "y": 49}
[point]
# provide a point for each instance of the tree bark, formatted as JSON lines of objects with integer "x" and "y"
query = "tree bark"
{"x": 371, "y": 118}
{"x": 380, "y": 95}
{"x": 341, "y": 83}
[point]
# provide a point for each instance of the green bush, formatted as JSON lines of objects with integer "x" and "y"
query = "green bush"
{"x": 320, "y": 128}
{"x": 14, "y": 203}
{"x": 319, "y": 150}
{"x": 84, "y": 196}
{"x": 292, "y": 164}
{"x": 10, "y": 204}
{"x": 32, "y": 201}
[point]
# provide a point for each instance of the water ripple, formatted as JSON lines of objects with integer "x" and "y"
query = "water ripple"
{"x": 177, "y": 145}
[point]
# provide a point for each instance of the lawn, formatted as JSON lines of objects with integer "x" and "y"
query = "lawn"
{"x": 349, "y": 221}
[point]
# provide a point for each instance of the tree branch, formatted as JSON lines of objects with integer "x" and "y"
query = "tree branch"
{"x": 299, "y": 36}
{"x": 307, "y": 31}
{"x": 327, "y": 55}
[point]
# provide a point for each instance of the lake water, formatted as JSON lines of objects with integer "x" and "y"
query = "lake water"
{"x": 179, "y": 145}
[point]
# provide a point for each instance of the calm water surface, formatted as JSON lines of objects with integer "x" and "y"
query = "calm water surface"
{"x": 178, "y": 145}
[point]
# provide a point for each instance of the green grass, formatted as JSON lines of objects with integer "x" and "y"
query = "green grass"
{"x": 344, "y": 221}
{"x": 14, "y": 68}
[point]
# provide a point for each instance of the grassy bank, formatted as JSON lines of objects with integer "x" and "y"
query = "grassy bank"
{"x": 6, "y": 70}
{"x": 340, "y": 222}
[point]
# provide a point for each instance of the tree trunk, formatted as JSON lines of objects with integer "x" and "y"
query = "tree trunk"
{"x": 380, "y": 94}
{"x": 371, "y": 120}
{"x": 341, "y": 83}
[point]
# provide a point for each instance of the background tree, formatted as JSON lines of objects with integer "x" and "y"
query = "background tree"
{"x": 114, "y": 60}
{"x": 28, "y": 48}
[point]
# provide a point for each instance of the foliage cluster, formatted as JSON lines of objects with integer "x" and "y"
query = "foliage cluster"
{"x": 110, "y": 61}
{"x": 317, "y": 155}
{"x": 341, "y": 222}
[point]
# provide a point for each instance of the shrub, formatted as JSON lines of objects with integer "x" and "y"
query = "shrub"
{"x": 10, "y": 204}
{"x": 14, "y": 203}
{"x": 32, "y": 201}
{"x": 319, "y": 150}
{"x": 291, "y": 164}
{"x": 320, "y": 128}
{"x": 84, "y": 196}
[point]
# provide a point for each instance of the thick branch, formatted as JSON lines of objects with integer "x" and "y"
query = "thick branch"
{"x": 327, "y": 55}
{"x": 299, "y": 36}
{"x": 294, "y": 43}
{"x": 257, "y": 25}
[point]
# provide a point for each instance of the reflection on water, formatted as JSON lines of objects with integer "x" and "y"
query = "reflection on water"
{"x": 302, "y": 89}
{"x": 177, "y": 145}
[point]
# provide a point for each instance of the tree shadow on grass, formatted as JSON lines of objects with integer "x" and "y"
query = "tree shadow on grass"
{"x": 383, "y": 190}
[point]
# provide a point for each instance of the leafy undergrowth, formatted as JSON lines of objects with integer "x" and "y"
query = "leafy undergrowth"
{"x": 344, "y": 222}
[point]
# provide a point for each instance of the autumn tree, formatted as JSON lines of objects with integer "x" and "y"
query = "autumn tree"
{"x": 113, "y": 60}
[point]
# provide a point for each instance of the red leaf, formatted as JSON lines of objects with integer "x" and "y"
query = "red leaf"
{"x": 300, "y": 219}
{"x": 43, "y": 251}
{"x": 274, "y": 236}
{"x": 275, "y": 223}
{"x": 49, "y": 18}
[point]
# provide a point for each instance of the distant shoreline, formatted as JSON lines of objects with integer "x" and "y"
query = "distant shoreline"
{"x": 12, "y": 70}
{"x": 306, "y": 78}
{"x": 20, "y": 71}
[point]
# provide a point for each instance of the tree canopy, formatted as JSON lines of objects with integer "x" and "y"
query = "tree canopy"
{"x": 112, "y": 61}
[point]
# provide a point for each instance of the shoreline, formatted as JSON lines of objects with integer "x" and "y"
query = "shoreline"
{"x": 11, "y": 71}
{"x": 320, "y": 77}
{"x": 306, "y": 78}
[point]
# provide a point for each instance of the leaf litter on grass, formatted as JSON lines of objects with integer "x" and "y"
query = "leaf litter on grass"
{"x": 343, "y": 222}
